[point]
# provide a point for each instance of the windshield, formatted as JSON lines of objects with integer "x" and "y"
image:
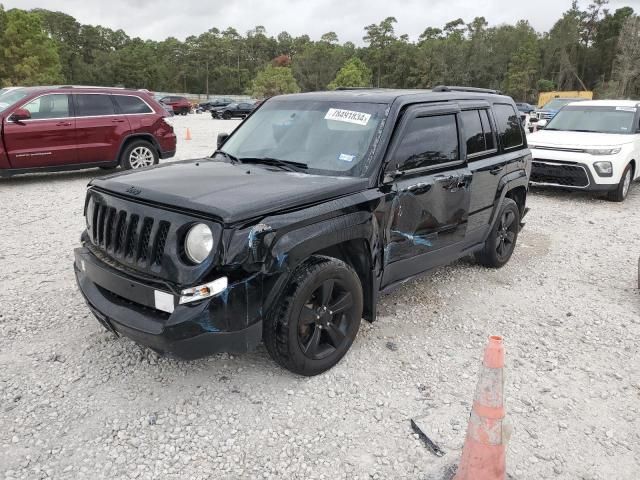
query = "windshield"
{"x": 9, "y": 97}
{"x": 330, "y": 138}
{"x": 557, "y": 103}
{"x": 594, "y": 119}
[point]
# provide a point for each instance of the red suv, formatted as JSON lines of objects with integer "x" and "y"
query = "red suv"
{"x": 180, "y": 105}
{"x": 66, "y": 128}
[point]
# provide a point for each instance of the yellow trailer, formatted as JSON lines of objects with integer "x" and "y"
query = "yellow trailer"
{"x": 546, "y": 97}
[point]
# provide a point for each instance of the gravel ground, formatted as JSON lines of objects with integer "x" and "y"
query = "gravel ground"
{"x": 77, "y": 403}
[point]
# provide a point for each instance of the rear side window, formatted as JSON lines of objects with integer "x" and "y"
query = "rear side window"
{"x": 474, "y": 135}
{"x": 49, "y": 106}
{"x": 428, "y": 141}
{"x": 130, "y": 105}
{"x": 92, "y": 105}
{"x": 508, "y": 125}
{"x": 489, "y": 133}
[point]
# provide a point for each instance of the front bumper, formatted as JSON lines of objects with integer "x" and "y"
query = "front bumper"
{"x": 567, "y": 175}
{"x": 230, "y": 322}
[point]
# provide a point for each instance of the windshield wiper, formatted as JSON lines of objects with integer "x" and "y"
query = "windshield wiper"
{"x": 284, "y": 164}
{"x": 228, "y": 156}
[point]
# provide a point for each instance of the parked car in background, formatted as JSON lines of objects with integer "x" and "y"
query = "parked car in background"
{"x": 215, "y": 103}
{"x": 233, "y": 110}
{"x": 65, "y": 128}
{"x": 550, "y": 109}
{"x": 309, "y": 210}
{"x": 180, "y": 105}
{"x": 525, "y": 108}
{"x": 589, "y": 145}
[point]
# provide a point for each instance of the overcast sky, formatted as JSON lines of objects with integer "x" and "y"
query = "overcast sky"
{"x": 158, "y": 19}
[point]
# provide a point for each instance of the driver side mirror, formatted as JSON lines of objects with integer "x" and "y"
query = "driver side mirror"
{"x": 20, "y": 114}
{"x": 222, "y": 137}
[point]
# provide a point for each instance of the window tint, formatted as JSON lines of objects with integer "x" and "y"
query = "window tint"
{"x": 93, "y": 105}
{"x": 49, "y": 106}
{"x": 474, "y": 135}
{"x": 428, "y": 141}
{"x": 489, "y": 134}
{"x": 129, "y": 104}
{"x": 509, "y": 125}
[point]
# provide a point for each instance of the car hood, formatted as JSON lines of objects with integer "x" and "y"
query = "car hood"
{"x": 231, "y": 192}
{"x": 551, "y": 138}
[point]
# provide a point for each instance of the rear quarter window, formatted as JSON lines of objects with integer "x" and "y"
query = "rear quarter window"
{"x": 131, "y": 105}
{"x": 509, "y": 126}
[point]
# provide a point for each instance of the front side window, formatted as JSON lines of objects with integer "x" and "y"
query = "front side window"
{"x": 93, "y": 105}
{"x": 329, "y": 137}
{"x": 596, "y": 119}
{"x": 49, "y": 106}
{"x": 131, "y": 105}
{"x": 428, "y": 141}
{"x": 509, "y": 125}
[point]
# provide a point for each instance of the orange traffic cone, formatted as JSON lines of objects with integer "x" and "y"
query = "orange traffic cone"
{"x": 188, "y": 135}
{"x": 484, "y": 452}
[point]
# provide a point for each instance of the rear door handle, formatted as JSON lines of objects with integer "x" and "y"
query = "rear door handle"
{"x": 63, "y": 124}
{"x": 496, "y": 170}
{"x": 117, "y": 121}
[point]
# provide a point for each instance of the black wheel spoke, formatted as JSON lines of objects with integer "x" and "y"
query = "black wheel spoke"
{"x": 336, "y": 337}
{"x": 500, "y": 246}
{"x": 326, "y": 291}
{"x": 509, "y": 217}
{"x": 307, "y": 316}
{"x": 511, "y": 236}
{"x": 343, "y": 303}
{"x": 311, "y": 347}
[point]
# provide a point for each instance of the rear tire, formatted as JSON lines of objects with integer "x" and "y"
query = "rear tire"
{"x": 317, "y": 319}
{"x": 622, "y": 190}
{"x": 139, "y": 154}
{"x": 501, "y": 242}
{"x": 226, "y": 116}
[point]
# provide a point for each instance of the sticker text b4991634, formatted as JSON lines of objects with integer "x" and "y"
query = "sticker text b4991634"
{"x": 348, "y": 116}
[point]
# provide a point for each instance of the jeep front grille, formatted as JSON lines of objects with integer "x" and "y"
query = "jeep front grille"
{"x": 127, "y": 237}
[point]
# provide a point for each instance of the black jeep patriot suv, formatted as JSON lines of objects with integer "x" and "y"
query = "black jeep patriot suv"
{"x": 312, "y": 207}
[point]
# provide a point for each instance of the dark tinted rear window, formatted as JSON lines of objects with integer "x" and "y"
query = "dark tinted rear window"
{"x": 473, "y": 132}
{"x": 88, "y": 105}
{"x": 489, "y": 133}
{"x": 509, "y": 126}
{"x": 129, "y": 104}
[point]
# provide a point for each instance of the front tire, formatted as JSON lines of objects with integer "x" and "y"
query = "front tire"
{"x": 501, "y": 242}
{"x": 622, "y": 190}
{"x": 226, "y": 115}
{"x": 139, "y": 154}
{"x": 317, "y": 318}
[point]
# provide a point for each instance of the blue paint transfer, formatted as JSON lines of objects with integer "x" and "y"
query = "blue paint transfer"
{"x": 416, "y": 239}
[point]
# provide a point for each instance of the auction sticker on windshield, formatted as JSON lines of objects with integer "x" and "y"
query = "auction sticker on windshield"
{"x": 348, "y": 116}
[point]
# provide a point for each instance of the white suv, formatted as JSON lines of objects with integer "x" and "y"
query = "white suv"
{"x": 589, "y": 145}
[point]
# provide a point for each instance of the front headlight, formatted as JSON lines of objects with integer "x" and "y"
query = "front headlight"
{"x": 604, "y": 151}
{"x": 89, "y": 214}
{"x": 604, "y": 169}
{"x": 198, "y": 243}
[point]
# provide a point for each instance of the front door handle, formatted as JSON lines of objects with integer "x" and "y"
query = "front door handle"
{"x": 63, "y": 124}
{"x": 118, "y": 121}
{"x": 496, "y": 170}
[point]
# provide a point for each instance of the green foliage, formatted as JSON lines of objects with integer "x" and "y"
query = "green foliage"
{"x": 273, "y": 81}
{"x": 27, "y": 55}
{"x": 583, "y": 50}
{"x": 354, "y": 73}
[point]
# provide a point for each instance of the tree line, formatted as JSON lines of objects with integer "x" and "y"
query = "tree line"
{"x": 591, "y": 49}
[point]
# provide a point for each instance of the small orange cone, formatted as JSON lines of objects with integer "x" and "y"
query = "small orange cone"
{"x": 188, "y": 135}
{"x": 484, "y": 452}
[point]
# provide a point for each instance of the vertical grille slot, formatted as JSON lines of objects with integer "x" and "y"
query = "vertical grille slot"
{"x": 108, "y": 227}
{"x": 119, "y": 232}
{"x": 100, "y": 223}
{"x": 161, "y": 241}
{"x": 131, "y": 236}
{"x": 94, "y": 222}
{"x": 145, "y": 236}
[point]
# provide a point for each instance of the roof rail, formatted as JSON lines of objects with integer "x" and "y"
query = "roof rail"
{"x": 447, "y": 88}
{"x": 355, "y": 88}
